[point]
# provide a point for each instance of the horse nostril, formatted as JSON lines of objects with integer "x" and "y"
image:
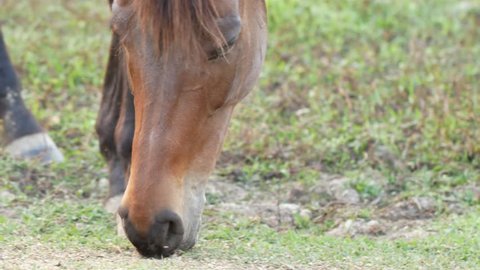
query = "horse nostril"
{"x": 166, "y": 233}
{"x": 164, "y": 237}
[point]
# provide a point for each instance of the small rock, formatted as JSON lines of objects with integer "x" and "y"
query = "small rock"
{"x": 455, "y": 208}
{"x": 425, "y": 204}
{"x": 302, "y": 111}
{"x": 305, "y": 213}
{"x": 6, "y": 196}
{"x": 343, "y": 229}
{"x": 269, "y": 213}
{"x": 103, "y": 184}
{"x": 54, "y": 120}
{"x": 287, "y": 212}
{"x": 289, "y": 208}
{"x": 373, "y": 227}
{"x": 340, "y": 190}
{"x": 227, "y": 192}
{"x": 320, "y": 195}
{"x": 298, "y": 194}
{"x": 349, "y": 196}
{"x": 409, "y": 229}
{"x": 415, "y": 208}
{"x": 384, "y": 155}
{"x": 358, "y": 227}
{"x": 329, "y": 189}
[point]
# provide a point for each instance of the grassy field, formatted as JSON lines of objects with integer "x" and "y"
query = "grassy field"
{"x": 377, "y": 98}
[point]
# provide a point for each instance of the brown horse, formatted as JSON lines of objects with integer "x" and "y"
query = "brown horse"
{"x": 177, "y": 68}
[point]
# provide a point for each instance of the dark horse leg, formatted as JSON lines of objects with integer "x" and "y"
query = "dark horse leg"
{"x": 115, "y": 124}
{"x": 22, "y": 133}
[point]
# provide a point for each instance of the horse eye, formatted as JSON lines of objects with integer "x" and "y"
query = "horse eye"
{"x": 223, "y": 51}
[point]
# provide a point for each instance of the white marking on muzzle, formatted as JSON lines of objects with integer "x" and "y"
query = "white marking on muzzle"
{"x": 111, "y": 206}
{"x": 194, "y": 194}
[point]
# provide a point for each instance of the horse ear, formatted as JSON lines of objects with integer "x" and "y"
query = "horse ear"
{"x": 110, "y": 2}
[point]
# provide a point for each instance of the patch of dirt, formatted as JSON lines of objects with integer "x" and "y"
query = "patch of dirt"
{"x": 274, "y": 215}
{"x": 32, "y": 182}
{"x": 41, "y": 256}
{"x": 405, "y": 229}
{"x": 248, "y": 202}
{"x": 331, "y": 203}
{"x": 408, "y": 219}
{"x": 412, "y": 209}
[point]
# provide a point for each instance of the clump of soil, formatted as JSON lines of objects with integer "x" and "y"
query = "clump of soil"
{"x": 332, "y": 203}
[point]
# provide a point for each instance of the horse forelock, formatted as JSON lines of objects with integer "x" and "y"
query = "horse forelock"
{"x": 180, "y": 23}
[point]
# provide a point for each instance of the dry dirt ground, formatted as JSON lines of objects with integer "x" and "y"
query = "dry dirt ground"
{"x": 402, "y": 219}
{"x": 38, "y": 256}
{"x": 333, "y": 200}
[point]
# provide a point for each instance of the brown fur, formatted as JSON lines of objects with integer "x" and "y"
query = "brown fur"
{"x": 183, "y": 23}
{"x": 180, "y": 111}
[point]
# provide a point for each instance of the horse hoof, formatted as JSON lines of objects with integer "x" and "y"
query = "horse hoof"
{"x": 36, "y": 146}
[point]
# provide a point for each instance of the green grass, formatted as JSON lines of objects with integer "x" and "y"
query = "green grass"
{"x": 352, "y": 86}
{"x": 384, "y": 93}
{"x": 454, "y": 243}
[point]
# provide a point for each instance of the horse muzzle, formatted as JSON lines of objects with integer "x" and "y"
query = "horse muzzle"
{"x": 163, "y": 238}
